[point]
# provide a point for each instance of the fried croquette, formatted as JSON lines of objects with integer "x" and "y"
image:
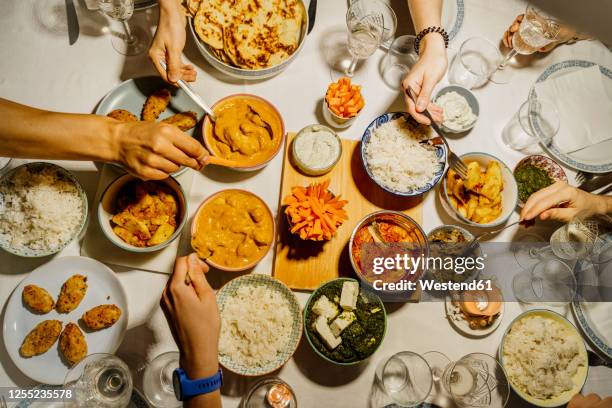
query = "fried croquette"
{"x": 101, "y": 317}
{"x": 73, "y": 291}
{"x": 123, "y": 116}
{"x": 37, "y": 299}
{"x": 184, "y": 120}
{"x": 41, "y": 338}
{"x": 72, "y": 343}
{"x": 155, "y": 104}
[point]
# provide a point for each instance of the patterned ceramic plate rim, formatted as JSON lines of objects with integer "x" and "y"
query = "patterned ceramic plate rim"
{"x": 552, "y": 148}
{"x": 582, "y": 320}
{"x": 441, "y": 154}
{"x": 551, "y": 167}
{"x": 296, "y": 328}
{"x": 33, "y": 253}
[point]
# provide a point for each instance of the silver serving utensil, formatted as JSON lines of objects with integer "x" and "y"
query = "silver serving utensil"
{"x": 454, "y": 161}
{"x": 312, "y": 14}
{"x": 472, "y": 244}
{"x": 582, "y": 176}
{"x": 193, "y": 95}
{"x": 596, "y": 182}
{"x": 73, "y": 22}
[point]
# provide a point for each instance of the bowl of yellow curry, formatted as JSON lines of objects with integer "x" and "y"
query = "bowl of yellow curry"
{"x": 142, "y": 216}
{"x": 248, "y": 131}
{"x": 232, "y": 230}
{"x": 487, "y": 198}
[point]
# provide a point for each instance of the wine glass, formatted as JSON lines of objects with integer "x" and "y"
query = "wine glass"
{"x": 99, "y": 380}
{"x": 477, "y": 380}
{"x": 535, "y": 31}
{"x": 157, "y": 384}
{"x": 549, "y": 281}
{"x": 135, "y": 41}
{"x": 369, "y": 23}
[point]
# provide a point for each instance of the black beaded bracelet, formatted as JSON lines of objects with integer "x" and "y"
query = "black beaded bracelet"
{"x": 429, "y": 30}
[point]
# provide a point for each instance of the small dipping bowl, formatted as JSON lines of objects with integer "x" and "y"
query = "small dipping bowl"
{"x": 551, "y": 167}
{"x": 471, "y": 100}
{"x": 312, "y": 169}
{"x": 339, "y": 122}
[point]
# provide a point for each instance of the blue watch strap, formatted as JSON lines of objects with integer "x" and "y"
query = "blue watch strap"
{"x": 191, "y": 388}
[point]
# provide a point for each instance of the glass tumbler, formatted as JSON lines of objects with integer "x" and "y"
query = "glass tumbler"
{"x": 399, "y": 60}
{"x": 476, "y": 60}
{"x": 537, "y": 120}
{"x": 407, "y": 378}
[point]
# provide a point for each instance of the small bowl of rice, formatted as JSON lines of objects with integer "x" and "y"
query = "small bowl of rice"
{"x": 42, "y": 209}
{"x": 398, "y": 154}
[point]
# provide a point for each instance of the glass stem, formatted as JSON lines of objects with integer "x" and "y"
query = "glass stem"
{"x": 350, "y": 71}
{"x": 507, "y": 58}
{"x": 129, "y": 37}
{"x": 535, "y": 253}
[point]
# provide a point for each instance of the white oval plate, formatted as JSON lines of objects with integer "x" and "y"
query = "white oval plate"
{"x": 103, "y": 288}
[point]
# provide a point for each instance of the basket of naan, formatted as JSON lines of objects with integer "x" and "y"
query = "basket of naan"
{"x": 486, "y": 198}
{"x": 248, "y": 39}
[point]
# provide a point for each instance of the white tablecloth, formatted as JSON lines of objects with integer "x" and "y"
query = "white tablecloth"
{"x": 39, "y": 68}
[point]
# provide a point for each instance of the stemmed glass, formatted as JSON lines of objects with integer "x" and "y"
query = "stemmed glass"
{"x": 135, "y": 41}
{"x": 535, "y": 31}
{"x": 157, "y": 383}
{"x": 549, "y": 281}
{"x": 99, "y": 380}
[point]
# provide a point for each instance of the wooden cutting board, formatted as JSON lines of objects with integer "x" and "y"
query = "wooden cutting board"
{"x": 305, "y": 265}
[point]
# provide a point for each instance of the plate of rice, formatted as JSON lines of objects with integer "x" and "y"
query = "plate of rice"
{"x": 544, "y": 357}
{"x": 261, "y": 324}
{"x": 42, "y": 209}
{"x": 398, "y": 155}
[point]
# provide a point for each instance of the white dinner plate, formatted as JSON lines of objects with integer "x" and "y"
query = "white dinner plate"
{"x": 594, "y": 159}
{"x": 595, "y": 318}
{"x": 103, "y": 288}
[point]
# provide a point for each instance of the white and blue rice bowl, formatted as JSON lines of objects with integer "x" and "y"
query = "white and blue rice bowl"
{"x": 441, "y": 154}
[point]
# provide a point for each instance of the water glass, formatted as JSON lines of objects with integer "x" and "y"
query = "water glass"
{"x": 549, "y": 281}
{"x": 407, "y": 378}
{"x": 476, "y": 60}
{"x": 135, "y": 40}
{"x": 399, "y": 60}
{"x": 537, "y": 120}
{"x": 157, "y": 383}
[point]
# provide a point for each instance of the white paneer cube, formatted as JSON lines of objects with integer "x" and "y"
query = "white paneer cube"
{"x": 348, "y": 298}
{"x": 325, "y": 307}
{"x": 342, "y": 322}
{"x": 326, "y": 334}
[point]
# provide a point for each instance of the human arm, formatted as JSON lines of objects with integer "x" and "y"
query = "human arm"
{"x": 545, "y": 203}
{"x": 147, "y": 149}
{"x": 589, "y": 401}
{"x": 190, "y": 306}
{"x": 432, "y": 63}
{"x": 169, "y": 41}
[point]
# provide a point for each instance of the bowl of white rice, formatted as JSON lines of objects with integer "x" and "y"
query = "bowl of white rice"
{"x": 544, "y": 357}
{"x": 261, "y": 324}
{"x": 42, "y": 209}
{"x": 396, "y": 155}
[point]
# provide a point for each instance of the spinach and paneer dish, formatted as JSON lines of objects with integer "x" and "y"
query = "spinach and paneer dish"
{"x": 530, "y": 179}
{"x": 343, "y": 323}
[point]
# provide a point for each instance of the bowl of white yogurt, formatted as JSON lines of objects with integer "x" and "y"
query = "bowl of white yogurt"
{"x": 460, "y": 108}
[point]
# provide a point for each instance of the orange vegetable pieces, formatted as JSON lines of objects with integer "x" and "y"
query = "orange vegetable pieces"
{"x": 344, "y": 99}
{"x": 314, "y": 212}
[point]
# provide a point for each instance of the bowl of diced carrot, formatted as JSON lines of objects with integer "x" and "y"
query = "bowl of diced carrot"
{"x": 343, "y": 103}
{"x": 314, "y": 213}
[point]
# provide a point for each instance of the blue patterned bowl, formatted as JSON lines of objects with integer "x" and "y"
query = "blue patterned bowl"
{"x": 229, "y": 290}
{"x": 441, "y": 153}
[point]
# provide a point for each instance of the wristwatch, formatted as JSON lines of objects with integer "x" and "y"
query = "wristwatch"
{"x": 184, "y": 388}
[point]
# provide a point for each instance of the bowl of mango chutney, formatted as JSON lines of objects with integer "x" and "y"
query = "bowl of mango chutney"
{"x": 232, "y": 230}
{"x": 249, "y": 131}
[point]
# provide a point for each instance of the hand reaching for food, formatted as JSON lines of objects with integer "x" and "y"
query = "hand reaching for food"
{"x": 589, "y": 401}
{"x": 169, "y": 42}
{"x": 546, "y": 203}
{"x": 566, "y": 34}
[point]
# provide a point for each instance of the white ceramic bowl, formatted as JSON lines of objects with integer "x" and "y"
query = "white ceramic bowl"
{"x": 509, "y": 193}
{"x": 471, "y": 100}
{"x": 37, "y": 253}
{"x": 336, "y": 121}
{"x": 249, "y": 74}
{"x": 107, "y": 208}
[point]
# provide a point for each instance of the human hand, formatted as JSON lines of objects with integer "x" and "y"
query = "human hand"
{"x": 153, "y": 150}
{"x": 423, "y": 77}
{"x": 545, "y": 203}
{"x": 193, "y": 316}
{"x": 590, "y": 401}
{"x": 168, "y": 44}
{"x": 566, "y": 33}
